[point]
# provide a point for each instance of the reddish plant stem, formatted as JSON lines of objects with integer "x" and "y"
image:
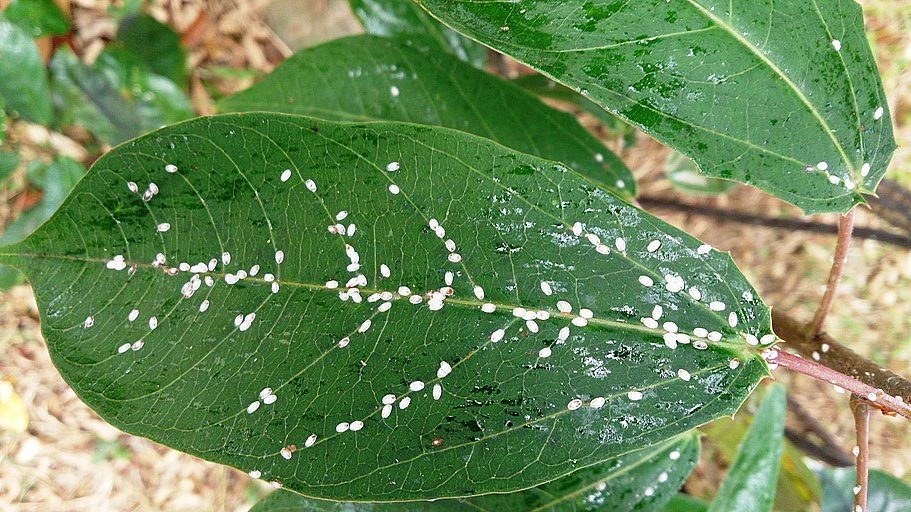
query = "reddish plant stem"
{"x": 845, "y": 230}
{"x": 876, "y": 397}
{"x": 836, "y": 356}
{"x": 861, "y": 411}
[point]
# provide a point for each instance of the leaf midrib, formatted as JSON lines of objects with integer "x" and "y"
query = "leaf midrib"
{"x": 852, "y": 170}
{"x": 466, "y": 303}
{"x": 800, "y": 95}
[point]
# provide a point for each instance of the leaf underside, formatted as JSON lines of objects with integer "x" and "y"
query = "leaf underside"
{"x": 397, "y": 80}
{"x": 640, "y": 481}
{"x": 782, "y": 95}
{"x": 525, "y": 401}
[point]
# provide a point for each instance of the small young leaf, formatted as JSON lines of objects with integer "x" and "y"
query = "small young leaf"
{"x": 383, "y": 311}
{"x": 24, "y": 83}
{"x": 155, "y": 45}
{"x": 685, "y": 503}
{"x": 784, "y": 96}
{"x": 389, "y": 79}
{"x": 404, "y": 18}
{"x": 37, "y": 17}
{"x": 640, "y": 481}
{"x": 116, "y": 98}
{"x": 886, "y": 493}
{"x": 683, "y": 174}
{"x": 750, "y": 483}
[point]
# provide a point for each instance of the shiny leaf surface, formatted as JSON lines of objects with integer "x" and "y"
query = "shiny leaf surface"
{"x": 750, "y": 483}
{"x": 512, "y": 322}
{"x": 405, "y": 18}
{"x": 24, "y": 83}
{"x": 393, "y": 80}
{"x": 783, "y": 95}
{"x": 640, "y": 481}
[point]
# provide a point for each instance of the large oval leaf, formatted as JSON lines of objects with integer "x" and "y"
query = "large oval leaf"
{"x": 405, "y": 18}
{"x": 396, "y": 312}
{"x": 640, "y": 481}
{"x": 783, "y": 95}
{"x": 392, "y": 80}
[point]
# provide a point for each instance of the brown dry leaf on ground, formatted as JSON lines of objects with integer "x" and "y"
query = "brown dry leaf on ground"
{"x": 70, "y": 460}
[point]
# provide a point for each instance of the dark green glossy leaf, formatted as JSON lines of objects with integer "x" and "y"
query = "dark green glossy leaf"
{"x": 405, "y": 18}
{"x": 547, "y": 88}
{"x": 55, "y": 180}
{"x": 388, "y": 79}
{"x": 685, "y": 503}
{"x": 24, "y": 83}
{"x": 751, "y": 481}
{"x": 521, "y": 401}
{"x": 37, "y": 17}
{"x": 640, "y": 481}
{"x": 155, "y": 45}
{"x": 756, "y": 91}
{"x": 683, "y": 174}
{"x": 115, "y": 98}
{"x": 886, "y": 493}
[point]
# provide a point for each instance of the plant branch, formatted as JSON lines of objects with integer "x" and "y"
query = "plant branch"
{"x": 876, "y": 397}
{"x": 815, "y": 450}
{"x": 861, "y": 411}
{"x": 784, "y": 224}
{"x": 845, "y": 230}
{"x": 838, "y": 357}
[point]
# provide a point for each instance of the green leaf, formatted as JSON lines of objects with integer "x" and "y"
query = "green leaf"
{"x": 24, "y": 83}
{"x": 886, "y": 493}
{"x": 56, "y": 180}
{"x": 685, "y": 503}
{"x": 514, "y": 411}
{"x": 683, "y": 174}
{"x": 155, "y": 45}
{"x": 404, "y": 18}
{"x": 640, "y": 481}
{"x": 758, "y": 92}
{"x": 37, "y": 17}
{"x": 547, "y": 88}
{"x": 116, "y": 98}
{"x": 750, "y": 483}
{"x": 798, "y": 486}
{"x": 9, "y": 160}
{"x": 393, "y": 80}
